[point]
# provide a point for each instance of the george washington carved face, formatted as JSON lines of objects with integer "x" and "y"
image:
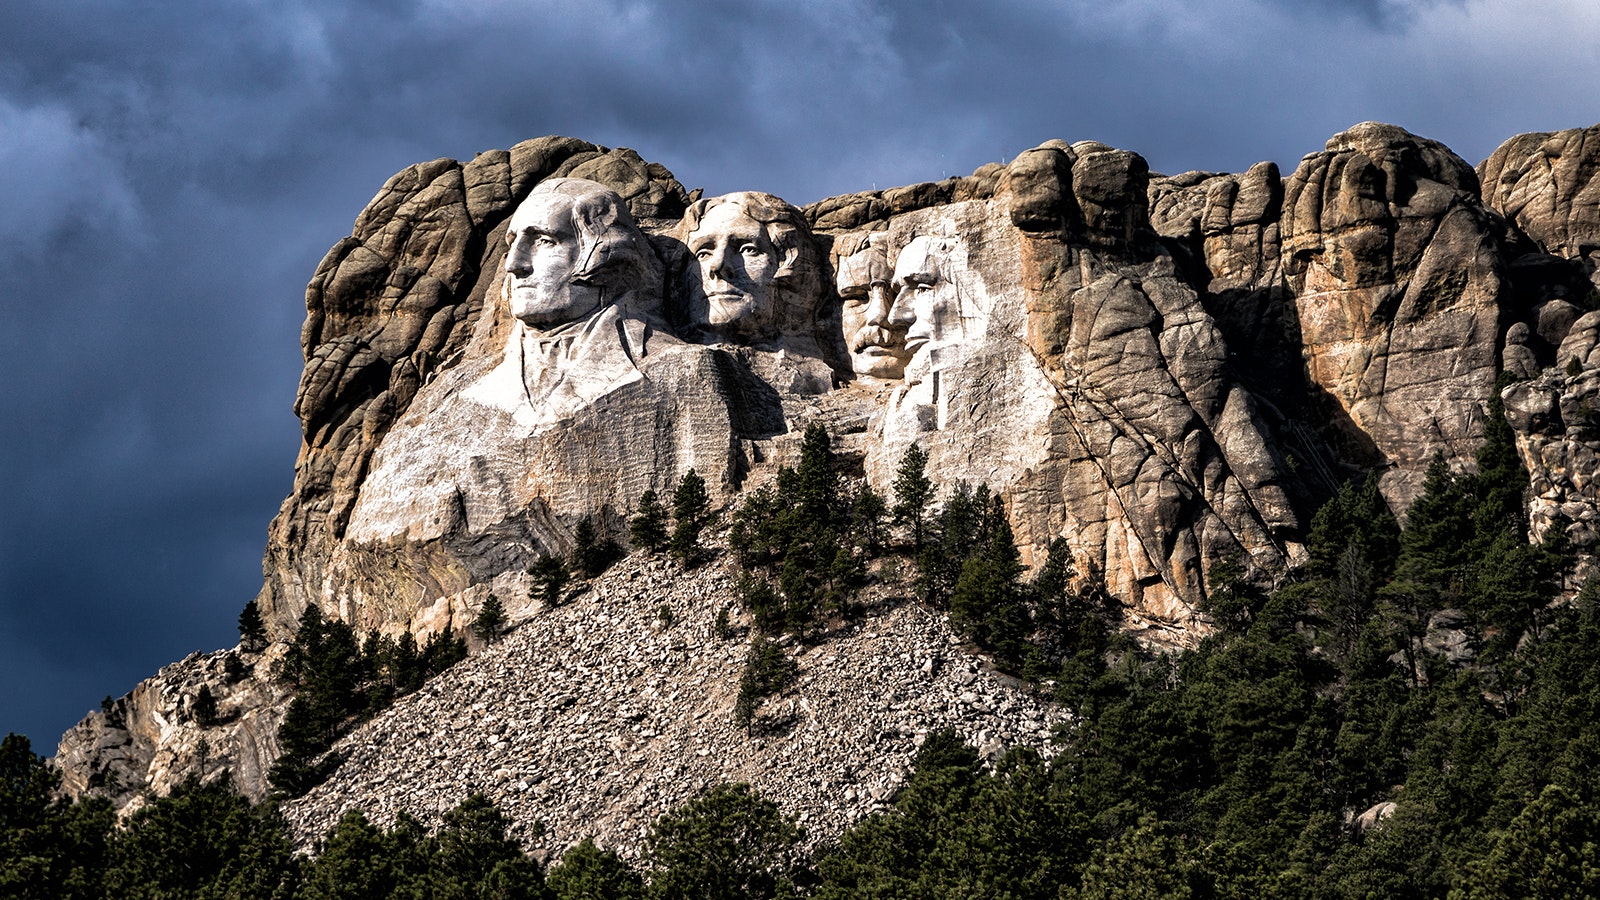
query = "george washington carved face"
{"x": 572, "y": 248}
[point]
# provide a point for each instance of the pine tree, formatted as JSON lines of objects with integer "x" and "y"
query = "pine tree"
{"x": 912, "y": 494}
{"x": 691, "y": 509}
{"x": 648, "y": 528}
{"x": 1359, "y": 516}
{"x": 588, "y": 873}
{"x": 729, "y": 843}
{"x": 988, "y": 600}
{"x": 592, "y": 553}
{"x": 205, "y": 707}
{"x": 869, "y": 512}
{"x": 550, "y": 575}
{"x": 816, "y": 484}
{"x": 1436, "y": 543}
{"x": 202, "y": 840}
{"x": 252, "y": 631}
{"x": 491, "y": 620}
{"x": 958, "y": 531}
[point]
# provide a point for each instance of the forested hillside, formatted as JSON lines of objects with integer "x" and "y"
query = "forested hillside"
{"x": 1414, "y": 713}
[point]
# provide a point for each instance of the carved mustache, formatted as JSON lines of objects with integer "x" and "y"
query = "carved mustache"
{"x": 876, "y": 336}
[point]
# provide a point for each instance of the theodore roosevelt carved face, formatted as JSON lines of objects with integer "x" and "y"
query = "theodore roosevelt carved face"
{"x": 572, "y": 248}
{"x": 874, "y": 334}
{"x": 750, "y": 249}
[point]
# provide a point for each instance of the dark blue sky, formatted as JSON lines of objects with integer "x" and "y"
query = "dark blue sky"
{"x": 170, "y": 176}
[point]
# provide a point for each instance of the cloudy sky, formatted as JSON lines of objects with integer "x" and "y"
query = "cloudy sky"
{"x": 171, "y": 172}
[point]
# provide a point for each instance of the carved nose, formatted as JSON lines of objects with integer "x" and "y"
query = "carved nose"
{"x": 901, "y": 313}
{"x": 880, "y": 303}
{"x": 518, "y": 260}
{"x": 717, "y": 265}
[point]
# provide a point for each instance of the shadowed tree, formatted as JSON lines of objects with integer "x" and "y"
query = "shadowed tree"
{"x": 913, "y": 491}
{"x": 648, "y": 527}
{"x": 691, "y": 510}
{"x": 588, "y": 873}
{"x": 729, "y": 843}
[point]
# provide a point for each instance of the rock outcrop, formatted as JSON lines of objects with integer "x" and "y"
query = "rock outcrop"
{"x": 1397, "y": 272}
{"x": 1065, "y": 361}
{"x": 1163, "y": 371}
{"x": 393, "y": 305}
{"x": 165, "y": 731}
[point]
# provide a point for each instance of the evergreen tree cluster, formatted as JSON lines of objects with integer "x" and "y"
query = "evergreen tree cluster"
{"x": 340, "y": 682}
{"x": 592, "y": 553}
{"x": 654, "y": 528}
{"x": 205, "y": 841}
{"x": 1050, "y": 629}
{"x": 804, "y": 540}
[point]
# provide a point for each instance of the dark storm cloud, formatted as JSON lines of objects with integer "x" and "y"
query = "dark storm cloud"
{"x": 171, "y": 173}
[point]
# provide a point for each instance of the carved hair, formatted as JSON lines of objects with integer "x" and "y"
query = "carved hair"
{"x": 860, "y": 261}
{"x": 612, "y": 252}
{"x": 786, "y": 227}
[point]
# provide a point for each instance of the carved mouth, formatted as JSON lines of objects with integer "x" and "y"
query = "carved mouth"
{"x": 878, "y": 350}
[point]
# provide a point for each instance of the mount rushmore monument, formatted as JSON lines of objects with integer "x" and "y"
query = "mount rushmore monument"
{"x": 1164, "y": 371}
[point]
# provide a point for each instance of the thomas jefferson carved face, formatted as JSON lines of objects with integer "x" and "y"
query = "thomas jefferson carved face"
{"x": 875, "y": 338}
{"x": 738, "y": 263}
{"x": 928, "y": 304}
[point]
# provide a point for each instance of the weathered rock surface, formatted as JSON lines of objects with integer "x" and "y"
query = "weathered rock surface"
{"x": 156, "y": 736}
{"x": 1162, "y": 464}
{"x": 634, "y": 715}
{"x": 1397, "y": 271}
{"x": 393, "y": 305}
{"x": 1556, "y": 417}
{"x": 1165, "y": 371}
{"x": 1548, "y": 185}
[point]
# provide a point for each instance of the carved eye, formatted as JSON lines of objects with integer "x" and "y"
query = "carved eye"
{"x": 545, "y": 240}
{"x": 750, "y": 250}
{"x": 703, "y": 253}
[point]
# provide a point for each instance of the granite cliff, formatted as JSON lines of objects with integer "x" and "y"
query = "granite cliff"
{"x": 1165, "y": 371}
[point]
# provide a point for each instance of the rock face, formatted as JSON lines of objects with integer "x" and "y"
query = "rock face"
{"x": 1163, "y": 371}
{"x": 1548, "y": 186}
{"x": 393, "y": 305}
{"x": 161, "y": 733}
{"x": 1055, "y": 351}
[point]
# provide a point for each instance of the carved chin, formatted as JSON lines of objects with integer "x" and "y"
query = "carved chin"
{"x": 878, "y": 363}
{"x": 741, "y": 313}
{"x": 542, "y": 308}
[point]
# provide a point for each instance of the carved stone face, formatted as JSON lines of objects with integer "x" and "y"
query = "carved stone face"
{"x": 540, "y": 263}
{"x": 928, "y": 305}
{"x": 877, "y": 343}
{"x": 738, "y": 263}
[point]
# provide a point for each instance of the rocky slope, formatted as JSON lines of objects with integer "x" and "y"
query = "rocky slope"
{"x": 596, "y": 716}
{"x": 1165, "y": 371}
